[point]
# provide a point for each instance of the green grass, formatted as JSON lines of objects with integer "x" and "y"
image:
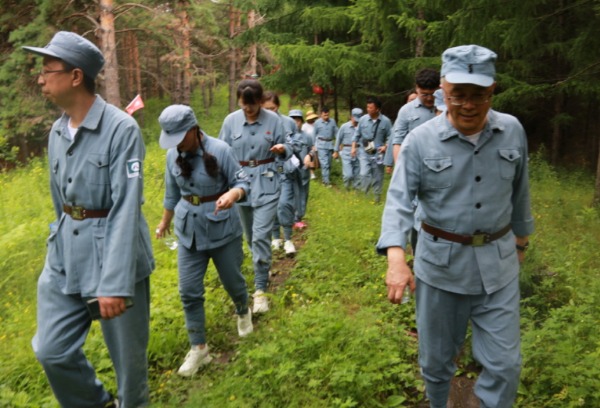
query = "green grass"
{"x": 331, "y": 339}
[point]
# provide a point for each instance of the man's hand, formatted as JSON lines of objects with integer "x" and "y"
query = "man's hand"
{"x": 278, "y": 149}
{"x": 335, "y": 155}
{"x": 398, "y": 275}
{"x": 111, "y": 307}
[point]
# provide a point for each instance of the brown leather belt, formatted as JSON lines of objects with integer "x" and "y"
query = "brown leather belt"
{"x": 324, "y": 139}
{"x": 477, "y": 239}
{"x": 254, "y": 163}
{"x": 347, "y": 145}
{"x": 80, "y": 213}
{"x": 197, "y": 200}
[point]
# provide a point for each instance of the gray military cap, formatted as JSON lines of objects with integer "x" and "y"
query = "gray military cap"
{"x": 175, "y": 122}
{"x": 73, "y": 49}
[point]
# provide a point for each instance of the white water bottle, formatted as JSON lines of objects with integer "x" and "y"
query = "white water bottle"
{"x": 405, "y": 295}
{"x": 171, "y": 242}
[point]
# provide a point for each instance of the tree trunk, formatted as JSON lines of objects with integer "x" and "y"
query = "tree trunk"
{"x": 232, "y": 60}
{"x": 109, "y": 49}
{"x": 556, "y": 132}
{"x": 420, "y": 43}
{"x": 253, "y": 47}
{"x": 596, "y": 202}
{"x": 186, "y": 74}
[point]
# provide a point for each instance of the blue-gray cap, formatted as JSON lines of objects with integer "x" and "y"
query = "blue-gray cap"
{"x": 357, "y": 113}
{"x": 175, "y": 122}
{"x": 295, "y": 113}
{"x": 74, "y": 50}
{"x": 469, "y": 64}
{"x": 439, "y": 100}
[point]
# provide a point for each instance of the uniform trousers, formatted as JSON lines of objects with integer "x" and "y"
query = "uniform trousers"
{"x": 63, "y": 325}
{"x": 371, "y": 172}
{"x": 350, "y": 169}
{"x": 192, "y": 265}
{"x": 257, "y": 223}
{"x": 286, "y": 207}
{"x": 325, "y": 163}
{"x": 442, "y": 319}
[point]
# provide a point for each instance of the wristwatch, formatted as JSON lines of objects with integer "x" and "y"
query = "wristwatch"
{"x": 523, "y": 248}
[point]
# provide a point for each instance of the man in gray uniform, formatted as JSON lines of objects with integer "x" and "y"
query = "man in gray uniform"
{"x": 468, "y": 167}
{"x": 325, "y": 131}
{"x": 99, "y": 254}
{"x": 343, "y": 147}
{"x": 370, "y": 142}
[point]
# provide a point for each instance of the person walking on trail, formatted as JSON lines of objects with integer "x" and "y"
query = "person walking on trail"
{"x": 257, "y": 138}
{"x": 370, "y": 143}
{"x": 388, "y": 160}
{"x": 99, "y": 253}
{"x": 325, "y": 131}
{"x": 343, "y": 147}
{"x": 419, "y": 111}
{"x": 468, "y": 167}
{"x": 203, "y": 181}
{"x": 286, "y": 207}
{"x": 308, "y": 127}
{"x": 303, "y": 145}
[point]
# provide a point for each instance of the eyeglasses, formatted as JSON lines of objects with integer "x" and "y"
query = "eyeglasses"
{"x": 425, "y": 94}
{"x": 474, "y": 99}
{"x": 43, "y": 73}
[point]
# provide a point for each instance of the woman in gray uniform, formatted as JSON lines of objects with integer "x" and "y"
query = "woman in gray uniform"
{"x": 258, "y": 141}
{"x": 203, "y": 181}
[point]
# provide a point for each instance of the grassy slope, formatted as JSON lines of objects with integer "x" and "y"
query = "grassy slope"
{"x": 332, "y": 339}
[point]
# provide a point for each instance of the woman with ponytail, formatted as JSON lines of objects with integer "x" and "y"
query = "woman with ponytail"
{"x": 203, "y": 181}
{"x": 257, "y": 138}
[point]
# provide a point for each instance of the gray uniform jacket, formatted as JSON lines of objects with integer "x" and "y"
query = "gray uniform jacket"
{"x": 345, "y": 135}
{"x": 199, "y": 224}
{"x": 252, "y": 142}
{"x": 409, "y": 117}
{"x": 461, "y": 188}
{"x": 325, "y": 133}
{"x": 101, "y": 169}
{"x": 366, "y": 129}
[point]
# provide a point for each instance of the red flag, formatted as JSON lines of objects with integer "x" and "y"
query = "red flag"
{"x": 135, "y": 104}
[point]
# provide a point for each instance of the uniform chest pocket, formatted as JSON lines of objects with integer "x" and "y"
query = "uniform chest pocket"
{"x": 97, "y": 168}
{"x": 413, "y": 118}
{"x": 180, "y": 219}
{"x": 218, "y": 226}
{"x": 269, "y": 138}
{"x": 55, "y": 166}
{"x": 437, "y": 172}
{"x": 509, "y": 159}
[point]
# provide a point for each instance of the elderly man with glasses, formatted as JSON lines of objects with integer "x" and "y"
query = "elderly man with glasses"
{"x": 468, "y": 168}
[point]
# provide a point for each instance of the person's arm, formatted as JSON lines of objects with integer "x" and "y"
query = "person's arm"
{"x": 398, "y": 275}
{"x": 237, "y": 180}
{"x": 164, "y": 226}
{"x": 117, "y": 280}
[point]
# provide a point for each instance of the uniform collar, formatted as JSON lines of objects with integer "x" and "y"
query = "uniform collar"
{"x": 93, "y": 117}
{"x": 447, "y": 131}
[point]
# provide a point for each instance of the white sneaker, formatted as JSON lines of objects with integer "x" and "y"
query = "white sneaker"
{"x": 289, "y": 247}
{"x": 194, "y": 359}
{"x": 261, "y": 303}
{"x": 313, "y": 176}
{"x": 276, "y": 244}
{"x": 244, "y": 324}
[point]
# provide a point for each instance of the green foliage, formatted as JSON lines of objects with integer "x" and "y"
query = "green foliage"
{"x": 331, "y": 338}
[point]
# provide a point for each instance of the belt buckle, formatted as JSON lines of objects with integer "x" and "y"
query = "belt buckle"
{"x": 195, "y": 200}
{"x": 77, "y": 213}
{"x": 252, "y": 163}
{"x": 480, "y": 239}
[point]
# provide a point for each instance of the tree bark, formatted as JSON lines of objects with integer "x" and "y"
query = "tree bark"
{"x": 109, "y": 49}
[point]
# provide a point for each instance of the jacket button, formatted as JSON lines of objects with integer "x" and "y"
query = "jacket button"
{"x": 478, "y": 179}
{"x": 478, "y": 205}
{"x": 75, "y": 232}
{"x": 69, "y": 179}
